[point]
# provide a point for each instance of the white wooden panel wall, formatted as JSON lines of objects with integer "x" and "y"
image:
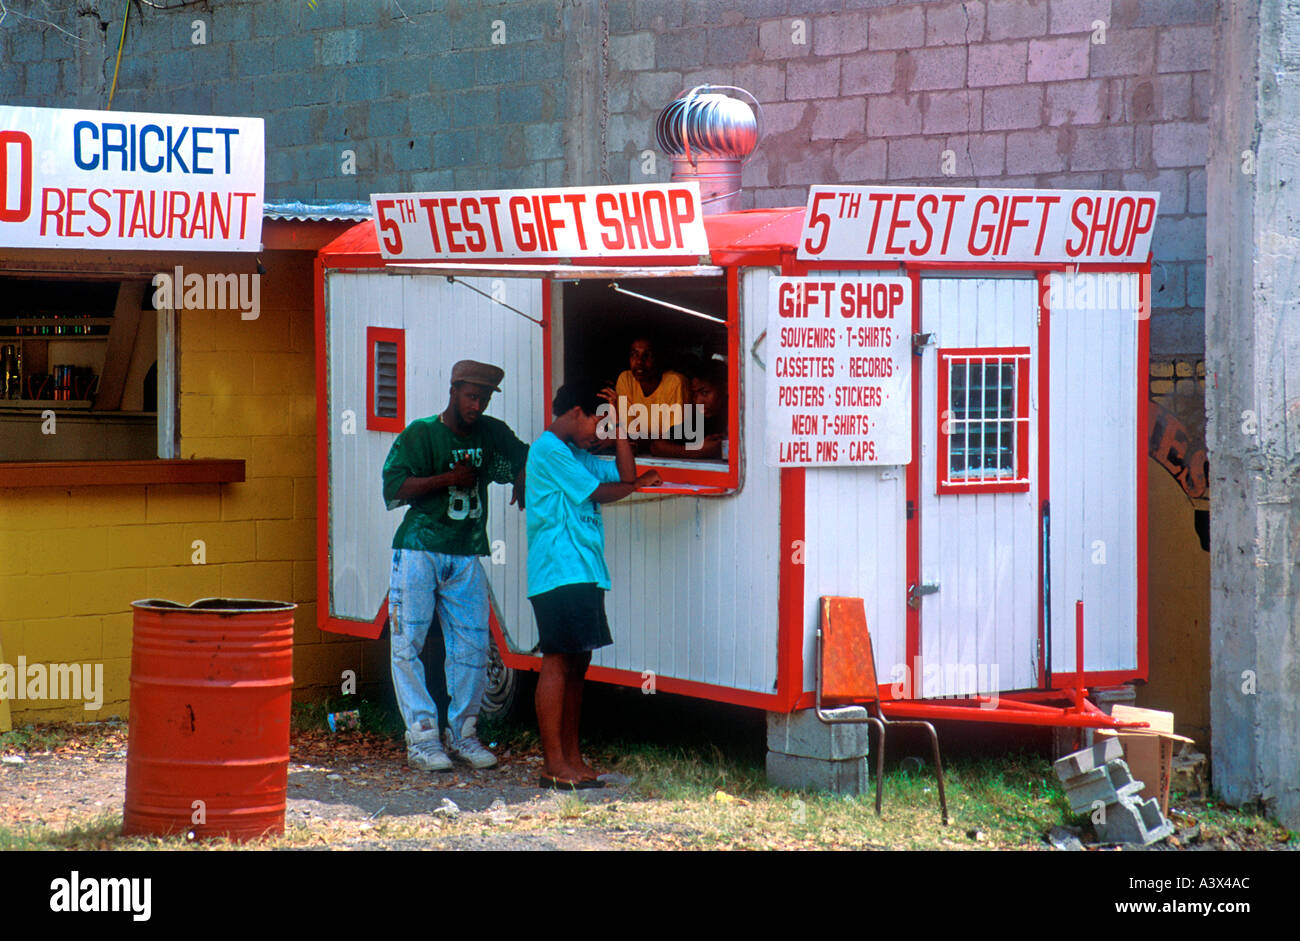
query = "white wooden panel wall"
{"x": 981, "y": 548}
{"x": 444, "y": 322}
{"x": 696, "y": 578}
{"x": 855, "y": 524}
{"x": 1094, "y": 469}
{"x": 360, "y": 531}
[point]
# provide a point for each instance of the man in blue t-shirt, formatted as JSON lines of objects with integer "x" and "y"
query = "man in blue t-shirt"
{"x": 567, "y": 575}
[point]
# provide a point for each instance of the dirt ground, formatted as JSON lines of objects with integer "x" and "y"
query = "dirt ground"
{"x": 353, "y": 791}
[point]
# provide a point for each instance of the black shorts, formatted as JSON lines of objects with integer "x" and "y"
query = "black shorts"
{"x": 571, "y": 619}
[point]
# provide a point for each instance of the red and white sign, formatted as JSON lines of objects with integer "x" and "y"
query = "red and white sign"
{"x": 839, "y": 362}
{"x": 129, "y": 180}
{"x": 643, "y": 220}
{"x": 868, "y": 223}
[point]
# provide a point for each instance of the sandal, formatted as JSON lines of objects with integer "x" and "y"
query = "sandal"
{"x": 564, "y": 784}
{"x": 559, "y": 784}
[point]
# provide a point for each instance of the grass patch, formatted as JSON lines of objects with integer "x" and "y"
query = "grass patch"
{"x": 1247, "y": 827}
{"x": 35, "y": 739}
{"x": 716, "y": 800}
{"x": 98, "y": 833}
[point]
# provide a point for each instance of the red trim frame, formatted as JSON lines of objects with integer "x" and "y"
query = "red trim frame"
{"x": 397, "y": 337}
{"x": 1143, "y": 368}
{"x": 1020, "y": 356}
{"x": 325, "y": 618}
{"x": 1044, "y": 458}
{"x": 912, "y": 643}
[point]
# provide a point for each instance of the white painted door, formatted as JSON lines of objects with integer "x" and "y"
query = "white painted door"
{"x": 978, "y": 590}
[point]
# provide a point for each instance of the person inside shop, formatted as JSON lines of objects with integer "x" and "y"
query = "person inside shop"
{"x": 646, "y": 383}
{"x": 703, "y": 432}
{"x": 440, "y": 468}
{"x": 567, "y": 574}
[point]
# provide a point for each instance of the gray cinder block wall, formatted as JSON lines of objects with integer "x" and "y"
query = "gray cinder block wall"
{"x": 1254, "y": 412}
{"x": 431, "y": 94}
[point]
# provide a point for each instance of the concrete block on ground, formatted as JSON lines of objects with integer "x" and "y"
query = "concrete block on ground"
{"x": 803, "y": 735}
{"x": 1087, "y": 759}
{"x": 1109, "y": 784}
{"x": 797, "y": 773}
{"x": 1132, "y": 821}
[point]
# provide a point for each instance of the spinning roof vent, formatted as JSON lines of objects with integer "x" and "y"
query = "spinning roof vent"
{"x": 710, "y": 137}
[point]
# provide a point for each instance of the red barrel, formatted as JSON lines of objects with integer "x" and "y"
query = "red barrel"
{"x": 208, "y": 747}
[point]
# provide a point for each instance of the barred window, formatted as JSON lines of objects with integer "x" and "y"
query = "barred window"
{"x": 983, "y": 420}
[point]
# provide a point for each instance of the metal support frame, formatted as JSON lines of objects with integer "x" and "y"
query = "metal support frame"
{"x": 881, "y": 722}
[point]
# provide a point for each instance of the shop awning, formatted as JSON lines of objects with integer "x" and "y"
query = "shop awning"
{"x": 555, "y": 272}
{"x": 750, "y": 237}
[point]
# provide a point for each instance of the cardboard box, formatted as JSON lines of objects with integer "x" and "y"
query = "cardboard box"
{"x": 1150, "y": 751}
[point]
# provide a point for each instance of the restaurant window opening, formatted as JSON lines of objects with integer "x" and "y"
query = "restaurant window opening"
{"x": 983, "y": 420}
{"x": 385, "y": 384}
{"x": 80, "y": 367}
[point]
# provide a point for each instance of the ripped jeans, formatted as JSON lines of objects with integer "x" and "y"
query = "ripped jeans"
{"x": 456, "y": 587}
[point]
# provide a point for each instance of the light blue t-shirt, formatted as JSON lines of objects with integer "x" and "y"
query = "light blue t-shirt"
{"x": 566, "y": 538}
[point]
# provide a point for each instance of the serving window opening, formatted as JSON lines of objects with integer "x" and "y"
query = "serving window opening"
{"x": 662, "y": 344}
{"x": 80, "y": 364}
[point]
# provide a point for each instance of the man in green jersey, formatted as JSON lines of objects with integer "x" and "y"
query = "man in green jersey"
{"x": 440, "y": 468}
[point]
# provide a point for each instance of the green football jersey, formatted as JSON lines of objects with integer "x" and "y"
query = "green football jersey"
{"x": 452, "y": 520}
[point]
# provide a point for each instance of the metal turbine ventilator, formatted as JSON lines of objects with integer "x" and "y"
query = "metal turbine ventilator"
{"x": 710, "y": 137}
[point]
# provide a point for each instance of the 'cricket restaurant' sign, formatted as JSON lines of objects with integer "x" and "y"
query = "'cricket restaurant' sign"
{"x": 656, "y": 219}
{"x": 839, "y": 372}
{"x": 865, "y": 223}
{"x": 125, "y": 180}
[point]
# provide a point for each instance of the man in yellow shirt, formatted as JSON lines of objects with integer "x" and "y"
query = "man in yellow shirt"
{"x": 662, "y": 394}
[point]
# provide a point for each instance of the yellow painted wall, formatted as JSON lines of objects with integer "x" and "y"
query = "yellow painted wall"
{"x": 1178, "y": 605}
{"x": 73, "y": 559}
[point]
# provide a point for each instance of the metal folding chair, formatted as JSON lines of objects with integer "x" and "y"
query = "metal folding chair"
{"x": 846, "y": 671}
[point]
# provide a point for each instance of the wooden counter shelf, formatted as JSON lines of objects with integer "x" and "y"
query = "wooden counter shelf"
{"x": 117, "y": 473}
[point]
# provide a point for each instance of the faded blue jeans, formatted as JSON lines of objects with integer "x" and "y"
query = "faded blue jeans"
{"x": 456, "y": 587}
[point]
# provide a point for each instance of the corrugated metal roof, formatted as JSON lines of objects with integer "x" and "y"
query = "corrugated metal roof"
{"x": 316, "y": 212}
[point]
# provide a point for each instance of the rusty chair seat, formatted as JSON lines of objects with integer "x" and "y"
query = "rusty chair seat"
{"x": 846, "y": 671}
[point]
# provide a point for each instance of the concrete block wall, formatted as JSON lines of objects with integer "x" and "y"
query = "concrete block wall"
{"x": 424, "y": 94}
{"x": 432, "y": 94}
{"x": 1036, "y": 93}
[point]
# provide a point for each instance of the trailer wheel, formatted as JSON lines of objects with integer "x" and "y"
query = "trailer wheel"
{"x": 502, "y": 684}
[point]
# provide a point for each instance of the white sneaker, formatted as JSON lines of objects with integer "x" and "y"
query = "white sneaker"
{"x": 469, "y": 749}
{"x": 424, "y": 751}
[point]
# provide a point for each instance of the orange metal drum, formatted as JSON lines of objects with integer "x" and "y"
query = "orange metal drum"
{"x": 208, "y": 749}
